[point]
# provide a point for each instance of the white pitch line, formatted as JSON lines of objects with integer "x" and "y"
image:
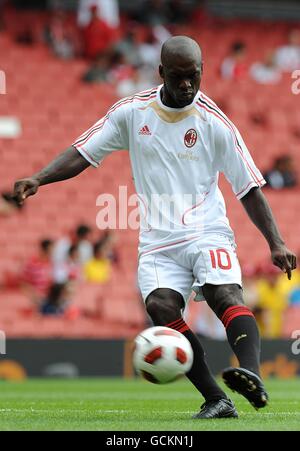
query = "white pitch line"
{"x": 164, "y": 412}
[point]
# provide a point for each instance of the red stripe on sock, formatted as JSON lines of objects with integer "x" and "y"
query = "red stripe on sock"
{"x": 174, "y": 323}
{"x": 179, "y": 325}
{"x": 238, "y": 314}
{"x": 183, "y": 328}
{"x": 234, "y": 312}
{"x": 230, "y": 310}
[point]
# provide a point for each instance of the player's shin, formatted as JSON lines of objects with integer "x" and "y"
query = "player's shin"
{"x": 243, "y": 336}
{"x": 199, "y": 374}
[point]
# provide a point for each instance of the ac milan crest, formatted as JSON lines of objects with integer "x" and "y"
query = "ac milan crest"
{"x": 190, "y": 137}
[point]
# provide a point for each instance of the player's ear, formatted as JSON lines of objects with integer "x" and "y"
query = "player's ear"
{"x": 161, "y": 71}
{"x": 201, "y": 70}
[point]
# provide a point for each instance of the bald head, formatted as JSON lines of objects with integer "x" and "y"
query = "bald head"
{"x": 180, "y": 47}
{"x": 181, "y": 70}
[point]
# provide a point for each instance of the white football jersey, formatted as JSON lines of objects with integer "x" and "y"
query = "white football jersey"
{"x": 176, "y": 156}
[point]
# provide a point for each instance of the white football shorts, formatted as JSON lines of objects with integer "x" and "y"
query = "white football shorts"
{"x": 210, "y": 260}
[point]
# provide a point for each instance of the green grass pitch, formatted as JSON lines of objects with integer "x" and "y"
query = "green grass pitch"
{"x": 135, "y": 405}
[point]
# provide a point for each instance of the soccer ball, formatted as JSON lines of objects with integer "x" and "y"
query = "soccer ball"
{"x": 162, "y": 355}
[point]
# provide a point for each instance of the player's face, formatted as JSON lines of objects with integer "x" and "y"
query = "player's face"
{"x": 182, "y": 82}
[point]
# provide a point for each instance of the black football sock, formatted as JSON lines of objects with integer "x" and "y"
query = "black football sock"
{"x": 243, "y": 336}
{"x": 199, "y": 374}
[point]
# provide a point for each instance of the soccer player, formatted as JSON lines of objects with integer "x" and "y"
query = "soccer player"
{"x": 178, "y": 142}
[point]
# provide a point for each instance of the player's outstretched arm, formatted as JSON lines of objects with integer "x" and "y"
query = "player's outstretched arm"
{"x": 67, "y": 165}
{"x": 260, "y": 213}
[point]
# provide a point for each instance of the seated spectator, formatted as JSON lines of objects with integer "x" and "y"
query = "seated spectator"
{"x": 266, "y": 72}
{"x": 119, "y": 68}
{"x": 38, "y": 272}
{"x": 283, "y": 174}
{"x": 233, "y": 67}
{"x": 136, "y": 83}
{"x": 69, "y": 270}
{"x": 98, "y": 71}
{"x": 287, "y": 57}
{"x": 291, "y": 288}
{"x": 250, "y": 278}
{"x": 59, "y": 36}
{"x": 128, "y": 47}
{"x": 149, "y": 50}
{"x": 110, "y": 240}
{"x": 57, "y": 300}
{"x": 81, "y": 238}
{"x": 151, "y": 12}
{"x": 8, "y": 204}
{"x": 98, "y": 269}
{"x": 98, "y": 36}
{"x": 272, "y": 301}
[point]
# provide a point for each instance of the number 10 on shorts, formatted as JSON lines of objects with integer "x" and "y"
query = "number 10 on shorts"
{"x": 220, "y": 258}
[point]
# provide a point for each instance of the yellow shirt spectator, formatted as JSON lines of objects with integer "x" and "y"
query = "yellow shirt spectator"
{"x": 97, "y": 270}
{"x": 273, "y": 293}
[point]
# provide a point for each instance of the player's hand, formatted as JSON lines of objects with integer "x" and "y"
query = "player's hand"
{"x": 284, "y": 259}
{"x": 25, "y": 188}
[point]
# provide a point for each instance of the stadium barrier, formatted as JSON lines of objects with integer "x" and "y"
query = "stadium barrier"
{"x": 106, "y": 358}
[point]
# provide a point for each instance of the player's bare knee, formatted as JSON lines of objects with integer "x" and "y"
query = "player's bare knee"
{"x": 163, "y": 307}
{"x": 221, "y": 297}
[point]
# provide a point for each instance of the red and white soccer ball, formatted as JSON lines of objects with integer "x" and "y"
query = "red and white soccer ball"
{"x": 162, "y": 355}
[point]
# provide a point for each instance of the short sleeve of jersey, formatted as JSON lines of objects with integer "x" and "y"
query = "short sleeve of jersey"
{"x": 105, "y": 136}
{"x": 235, "y": 161}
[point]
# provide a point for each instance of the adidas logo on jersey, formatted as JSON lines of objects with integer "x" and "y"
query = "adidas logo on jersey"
{"x": 145, "y": 130}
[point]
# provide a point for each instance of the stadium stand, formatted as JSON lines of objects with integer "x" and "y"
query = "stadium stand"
{"x": 54, "y": 107}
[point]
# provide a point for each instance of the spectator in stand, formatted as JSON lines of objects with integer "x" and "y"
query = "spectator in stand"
{"x": 128, "y": 46}
{"x": 233, "y": 67}
{"x": 205, "y": 323}
{"x": 119, "y": 68}
{"x": 98, "y": 71}
{"x": 57, "y": 301}
{"x": 107, "y": 10}
{"x": 69, "y": 270}
{"x": 291, "y": 288}
{"x": 178, "y": 12}
{"x": 149, "y": 50}
{"x": 38, "y": 272}
{"x": 287, "y": 57}
{"x": 8, "y": 205}
{"x": 81, "y": 238}
{"x": 109, "y": 240}
{"x": 59, "y": 35}
{"x": 151, "y": 12}
{"x": 98, "y": 269}
{"x": 282, "y": 174}
{"x": 112, "y": 68}
{"x": 98, "y": 36}
{"x": 272, "y": 301}
{"x": 139, "y": 81}
{"x": 250, "y": 277}
{"x": 266, "y": 72}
